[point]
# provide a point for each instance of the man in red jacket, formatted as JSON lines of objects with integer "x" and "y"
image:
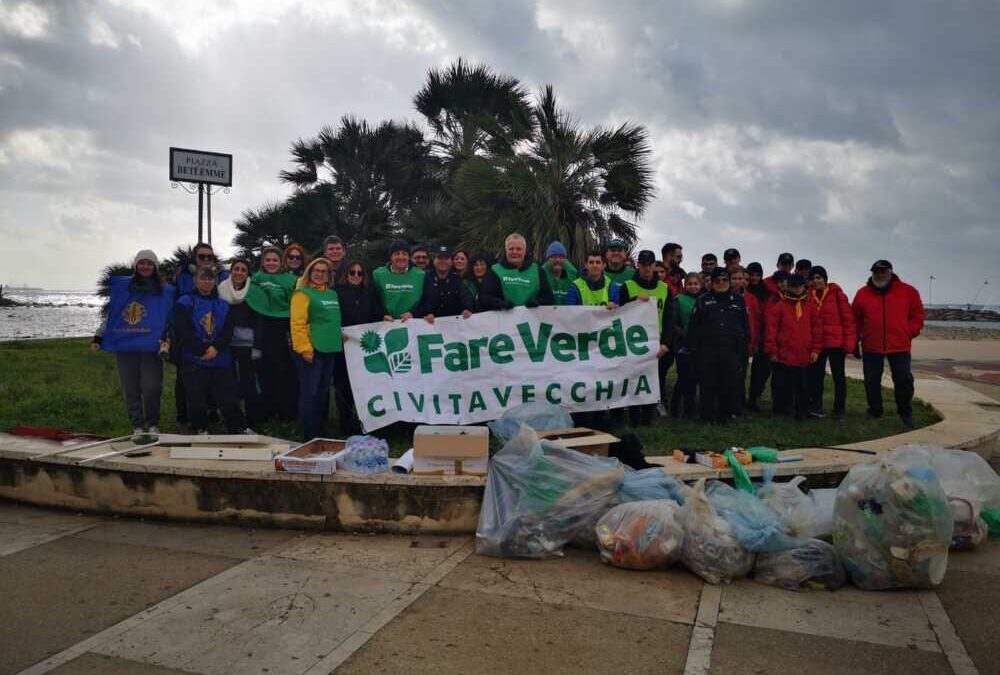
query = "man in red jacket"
{"x": 839, "y": 339}
{"x": 888, "y": 314}
{"x": 786, "y": 261}
{"x": 793, "y": 339}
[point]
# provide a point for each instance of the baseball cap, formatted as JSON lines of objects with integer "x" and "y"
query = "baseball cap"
{"x": 881, "y": 265}
{"x": 442, "y": 252}
{"x": 616, "y": 243}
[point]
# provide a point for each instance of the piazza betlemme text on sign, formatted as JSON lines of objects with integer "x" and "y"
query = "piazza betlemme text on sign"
{"x": 471, "y": 370}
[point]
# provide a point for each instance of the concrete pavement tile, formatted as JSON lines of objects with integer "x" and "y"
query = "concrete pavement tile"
{"x": 751, "y": 651}
{"x": 59, "y": 593}
{"x": 393, "y": 556}
{"x": 231, "y": 542}
{"x": 21, "y": 514}
{"x": 15, "y": 537}
{"x": 270, "y": 613}
{"x": 99, "y": 664}
{"x": 454, "y": 631}
{"x": 985, "y": 559}
{"x": 894, "y": 619}
{"x": 581, "y": 579}
{"x": 971, "y": 601}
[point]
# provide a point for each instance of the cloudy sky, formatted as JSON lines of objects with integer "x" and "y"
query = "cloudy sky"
{"x": 841, "y": 131}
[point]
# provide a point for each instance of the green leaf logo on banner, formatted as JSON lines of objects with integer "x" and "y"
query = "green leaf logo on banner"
{"x": 391, "y": 360}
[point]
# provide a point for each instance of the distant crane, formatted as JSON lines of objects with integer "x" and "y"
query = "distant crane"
{"x": 976, "y": 296}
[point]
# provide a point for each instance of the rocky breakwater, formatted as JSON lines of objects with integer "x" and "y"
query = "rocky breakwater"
{"x": 948, "y": 314}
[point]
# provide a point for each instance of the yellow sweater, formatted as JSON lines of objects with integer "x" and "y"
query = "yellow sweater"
{"x": 299, "y": 317}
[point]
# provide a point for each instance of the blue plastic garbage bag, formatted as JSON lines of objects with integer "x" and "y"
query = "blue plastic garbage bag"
{"x": 755, "y": 525}
{"x": 540, "y": 496}
{"x": 649, "y": 484}
{"x": 539, "y": 415}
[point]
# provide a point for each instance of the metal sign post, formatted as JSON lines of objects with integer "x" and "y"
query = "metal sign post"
{"x": 197, "y": 171}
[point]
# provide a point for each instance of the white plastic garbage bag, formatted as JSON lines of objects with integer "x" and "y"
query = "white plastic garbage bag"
{"x": 795, "y": 509}
{"x": 813, "y": 565}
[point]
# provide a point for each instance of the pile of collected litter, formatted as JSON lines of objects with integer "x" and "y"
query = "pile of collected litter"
{"x": 890, "y": 524}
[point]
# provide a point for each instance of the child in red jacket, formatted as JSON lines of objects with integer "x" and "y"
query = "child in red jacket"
{"x": 793, "y": 338}
{"x": 838, "y": 341}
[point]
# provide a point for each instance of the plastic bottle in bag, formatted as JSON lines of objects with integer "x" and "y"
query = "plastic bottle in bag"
{"x": 813, "y": 565}
{"x": 795, "y": 509}
{"x": 640, "y": 535}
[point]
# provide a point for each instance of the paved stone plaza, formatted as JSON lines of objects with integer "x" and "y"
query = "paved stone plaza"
{"x": 86, "y": 594}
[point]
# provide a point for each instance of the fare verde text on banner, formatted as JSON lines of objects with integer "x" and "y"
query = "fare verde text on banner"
{"x": 462, "y": 371}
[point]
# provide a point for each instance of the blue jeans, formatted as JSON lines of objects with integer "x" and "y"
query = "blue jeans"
{"x": 314, "y": 392}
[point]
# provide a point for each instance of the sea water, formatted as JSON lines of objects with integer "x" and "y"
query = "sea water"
{"x": 49, "y": 314}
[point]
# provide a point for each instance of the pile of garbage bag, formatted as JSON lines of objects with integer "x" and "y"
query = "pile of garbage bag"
{"x": 711, "y": 549}
{"x": 648, "y": 484}
{"x": 641, "y": 535}
{"x": 892, "y": 523}
{"x": 812, "y": 565}
{"x": 756, "y": 527}
{"x": 537, "y": 415}
{"x": 539, "y": 496}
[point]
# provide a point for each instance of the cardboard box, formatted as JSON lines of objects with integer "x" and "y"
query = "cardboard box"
{"x": 316, "y": 456}
{"x": 581, "y": 439}
{"x": 451, "y": 450}
{"x": 249, "y": 452}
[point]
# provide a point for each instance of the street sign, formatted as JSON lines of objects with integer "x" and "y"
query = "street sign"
{"x": 197, "y": 166}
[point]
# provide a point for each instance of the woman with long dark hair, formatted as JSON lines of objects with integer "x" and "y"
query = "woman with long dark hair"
{"x": 359, "y": 303}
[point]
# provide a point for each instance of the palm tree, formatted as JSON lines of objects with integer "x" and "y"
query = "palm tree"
{"x": 472, "y": 110}
{"x": 581, "y": 186}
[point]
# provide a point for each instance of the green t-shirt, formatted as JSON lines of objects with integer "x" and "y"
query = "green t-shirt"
{"x": 561, "y": 285}
{"x": 519, "y": 286}
{"x": 621, "y": 276}
{"x": 661, "y": 292}
{"x": 271, "y": 294}
{"x": 325, "y": 331}
{"x": 400, "y": 292}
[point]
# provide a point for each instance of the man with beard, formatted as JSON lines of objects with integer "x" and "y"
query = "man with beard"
{"x": 888, "y": 314}
{"x": 559, "y": 272}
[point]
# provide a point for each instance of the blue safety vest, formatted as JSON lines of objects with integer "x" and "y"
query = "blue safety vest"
{"x": 208, "y": 316}
{"x": 136, "y": 319}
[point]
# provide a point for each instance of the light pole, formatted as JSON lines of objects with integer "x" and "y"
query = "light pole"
{"x": 930, "y": 292}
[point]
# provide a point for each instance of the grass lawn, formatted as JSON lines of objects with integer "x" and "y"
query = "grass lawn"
{"x": 59, "y": 383}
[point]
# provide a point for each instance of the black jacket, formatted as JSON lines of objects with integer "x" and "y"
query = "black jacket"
{"x": 625, "y": 297}
{"x": 491, "y": 293}
{"x": 444, "y": 297}
{"x": 359, "y": 304}
{"x": 719, "y": 320}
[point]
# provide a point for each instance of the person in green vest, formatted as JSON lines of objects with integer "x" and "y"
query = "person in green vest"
{"x": 515, "y": 281}
{"x": 647, "y": 286}
{"x": 594, "y": 288}
{"x": 398, "y": 283}
{"x": 559, "y": 272}
{"x": 316, "y": 338}
{"x": 617, "y": 268}
{"x": 683, "y": 399}
{"x": 269, "y": 296}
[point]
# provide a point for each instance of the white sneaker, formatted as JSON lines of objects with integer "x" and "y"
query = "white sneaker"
{"x": 138, "y": 432}
{"x": 249, "y": 432}
{"x": 154, "y": 430}
{"x": 202, "y": 432}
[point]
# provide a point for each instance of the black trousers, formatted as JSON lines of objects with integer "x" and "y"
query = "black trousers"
{"x": 662, "y": 368}
{"x": 180, "y": 396}
{"x": 817, "y": 376}
{"x": 347, "y": 413}
{"x": 718, "y": 380}
{"x": 279, "y": 382}
{"x": 902, "y": 381}
{"x": 760, "y": 371}
{"x": 141, "y": 374}
{"x": 686, "y": 387}
{"x": 791, "y": 391}
{"x": 245, "y": 372}
{"x": 202, "y": 383}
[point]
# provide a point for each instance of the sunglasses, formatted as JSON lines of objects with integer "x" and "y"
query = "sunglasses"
{"x": 203, "y": 256}
{"x": 294, "y": 257}
{"x": 355, "y": 273}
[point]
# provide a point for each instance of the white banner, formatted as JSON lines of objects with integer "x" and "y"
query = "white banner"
{"x": 462, "y": 371}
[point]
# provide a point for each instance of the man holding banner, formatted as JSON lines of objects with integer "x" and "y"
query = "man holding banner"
{"x": 515, "y": 281}
{"x": 646, "y": 286}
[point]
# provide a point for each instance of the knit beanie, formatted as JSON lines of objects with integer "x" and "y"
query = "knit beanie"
{"x": 146, "y": 254}
{"x": 555, "y": 248}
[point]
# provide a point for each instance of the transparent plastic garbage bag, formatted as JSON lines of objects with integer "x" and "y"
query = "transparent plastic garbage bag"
{"x": 641, "y": 535}
{"x": 539, "y": 496}
{"x": 892, "y": 524}
{"x": 710, "y": 548}
{"x": 794, "y": 507}
{"x": 538, "y": 415}
{"x": 754, "y": 524}
{"x": 813, "y": 565}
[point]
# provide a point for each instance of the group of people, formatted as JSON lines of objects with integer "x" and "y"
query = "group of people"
{"x": 256, "y": 342}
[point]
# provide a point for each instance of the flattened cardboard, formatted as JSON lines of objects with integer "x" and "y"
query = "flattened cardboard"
{"x": 581, "y": 439}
